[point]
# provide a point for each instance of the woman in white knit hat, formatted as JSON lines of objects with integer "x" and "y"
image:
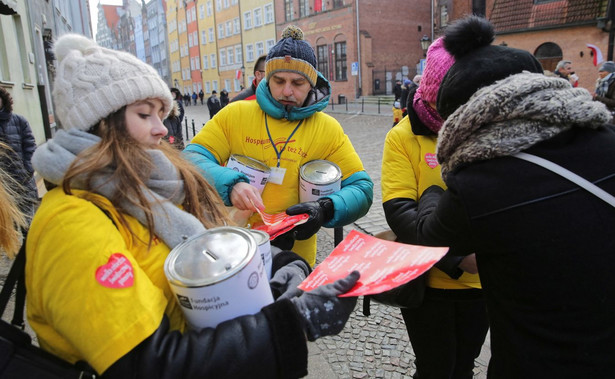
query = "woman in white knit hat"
{"x": 122, "y": 200}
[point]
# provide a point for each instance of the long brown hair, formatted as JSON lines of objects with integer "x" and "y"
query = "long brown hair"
{"x": 12, "y": 218}
{"x": 132, "y": 167}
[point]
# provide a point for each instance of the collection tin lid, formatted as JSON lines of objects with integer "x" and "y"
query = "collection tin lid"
{"x": 251, "y": 162}
{"x": 260, "y": 236}
{"x": 210, "y": 257}
{"x": 320, "y": 172}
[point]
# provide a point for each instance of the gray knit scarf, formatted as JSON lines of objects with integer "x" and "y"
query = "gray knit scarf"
{"x": 513, "y": 114}
{"x": 164, "y": 189}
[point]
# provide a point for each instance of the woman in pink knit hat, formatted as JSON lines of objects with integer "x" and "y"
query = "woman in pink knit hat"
{"x": 448, "y": 329}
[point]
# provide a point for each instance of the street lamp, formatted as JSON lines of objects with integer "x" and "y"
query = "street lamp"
{"x": 425, "y": 42}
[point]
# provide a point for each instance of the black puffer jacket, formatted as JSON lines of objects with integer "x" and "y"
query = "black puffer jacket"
{"x": 16, "y": 133}
{"x": 545, "y": 252}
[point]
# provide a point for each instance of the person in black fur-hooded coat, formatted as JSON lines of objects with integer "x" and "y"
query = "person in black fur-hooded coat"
{"x": 544, "y": 246}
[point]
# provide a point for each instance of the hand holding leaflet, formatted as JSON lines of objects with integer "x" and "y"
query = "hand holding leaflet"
{"x": 280, "y": 223}
{"x": 383, "y": 264}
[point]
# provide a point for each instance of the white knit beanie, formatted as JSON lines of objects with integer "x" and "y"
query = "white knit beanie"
{"x": 92, "y": 82}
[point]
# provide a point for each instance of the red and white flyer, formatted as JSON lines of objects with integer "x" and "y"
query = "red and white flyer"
{"x": 383, "y": 264}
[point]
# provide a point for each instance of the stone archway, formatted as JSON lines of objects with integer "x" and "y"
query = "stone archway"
{"x": 548, "y": 54}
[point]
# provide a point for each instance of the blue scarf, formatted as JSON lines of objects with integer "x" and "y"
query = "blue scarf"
{"x": 317, "y": 100}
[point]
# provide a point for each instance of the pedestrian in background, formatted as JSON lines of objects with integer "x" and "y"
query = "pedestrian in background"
{"x": 16, "y": 133}
{"x": 194, "y": 97}
{"x": 448, "y": 329}
{"x": 123, "y": 200}
{"x": 173, "y": 124}
{"x": 285, "y": 128}
{"x": 213, "y": 104}
{"x": 605, "y": 85}
{"x": 259, "y": 73}
{"x": 177, "y": 96}
{"x": 544, "y": 245}
{"x": 224, "y": 99}
{"x": 564, "y": 70}
{"x": 397, "y": 90}
{"x": 397, "y": 113}
{"x": 405, "y": 101}
{"x": 201, "y": 95}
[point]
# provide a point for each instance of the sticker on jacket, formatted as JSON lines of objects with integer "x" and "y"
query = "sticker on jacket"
{"x": 116, "y": 273}
{"x": 431, "y": 160}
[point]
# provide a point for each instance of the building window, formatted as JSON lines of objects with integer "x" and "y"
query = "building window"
{"x": 220, "y": 31}
{"x": 226, "y": 4}
{"x": 237, "y": 85}
{"x": 443, "y": 16}
{"x": 218, "y": 5}
{"x": 258, "y": 17}
{"x": 227, "y": 84}
{"x": 478, "y": 7}
{"x": 268, "y": 14}
{"x": 340, "y": 61}
{"x": 260, "y": 49}
{"x": 230, "y": 56}
{"x": 323, "y": 60}
{"x": 238, "y": 54}
{"x": 304, "y": 8}
{"x": 190, "y": 40}
{"x": 203, "y": 37}
{"x": 236, "y": 26}
{"x": 205, "y": 62}
{"x": 270, "y": 43}
{"x": 229, "y": 28}
{"x": 212, "y": 58}
{"x": 222, "y": 57}
{"x": 209, "y": 9}
{"x": 289, "y": 9}
{"x": 210, "y": 31}
{"x": 201, "y": 11}
{"x": 249, "y": 53}
{"x": 247, "y": 20}
{"x": 215, "y": 85}
{"x": 207, "y": 87}
{"x": 338, "y": 3}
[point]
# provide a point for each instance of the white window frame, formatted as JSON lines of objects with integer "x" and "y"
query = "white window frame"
{"x": 268, "y": 13}
{"x": 249, "y": 52}
{"x": 238, "y": 54}
{"x": 220, "y": 31}
{"x": 209, "y": 9}
{"x": 258, "y": 17}
{"x": 222, "y": 57}
{"x": 247, "y": 20}
{"x": 203, "y": 37}
{"x": 236, "y": 26}
{"x": 269, "y": 44}
{"x": 230, "y": 55}
{"x": 213, "y": 60}
{"x": 259, "y": 51}
{"x": 229, "y": 27}
{"x": 215, "y": 85}
{"x": 205, "y": 62}
{"x": 227, "y": 84}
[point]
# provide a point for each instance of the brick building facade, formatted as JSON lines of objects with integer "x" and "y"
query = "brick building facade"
{"x": 380, "y": 39}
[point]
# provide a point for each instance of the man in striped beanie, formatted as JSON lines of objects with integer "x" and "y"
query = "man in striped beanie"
{"x": 284, "y": 129}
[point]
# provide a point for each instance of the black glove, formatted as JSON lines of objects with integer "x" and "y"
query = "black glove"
{"x": 284, "y": 241}
{"x": 320, "y": 211}
{"x": 322, "y": 312}
{"x": 286, "y": 279}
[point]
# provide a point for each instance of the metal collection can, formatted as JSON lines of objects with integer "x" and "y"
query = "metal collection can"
{"x": 317, "y": 179}
{"x": 264, "y": 247}
{"x": 218, "y": 275}
{"x": 255, "y": 170}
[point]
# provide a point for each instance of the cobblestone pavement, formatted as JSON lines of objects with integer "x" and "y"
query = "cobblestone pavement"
{"x": 369, "y": 347}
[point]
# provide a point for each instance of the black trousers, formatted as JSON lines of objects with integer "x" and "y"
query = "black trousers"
{"x": 447, "y": 332}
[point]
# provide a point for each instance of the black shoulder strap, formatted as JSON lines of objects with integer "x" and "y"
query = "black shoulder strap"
{"x": 16, "y": 278}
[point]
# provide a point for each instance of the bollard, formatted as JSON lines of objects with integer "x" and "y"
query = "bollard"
{"x": 346, "y": 102}
{"x": 362, "y": 105}
{"x": 193, "y": 130}
{"x": 378, "y": 105}
{"x": 332, "y": 105}
{"x": 186, "y": 123}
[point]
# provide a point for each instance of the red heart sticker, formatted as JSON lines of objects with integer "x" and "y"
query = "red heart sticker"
{"x": 431, "y": 160}
{"x": 116, "y": 273}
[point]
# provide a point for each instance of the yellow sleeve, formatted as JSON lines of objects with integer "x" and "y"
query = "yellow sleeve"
{"x": 399, "y": 179}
